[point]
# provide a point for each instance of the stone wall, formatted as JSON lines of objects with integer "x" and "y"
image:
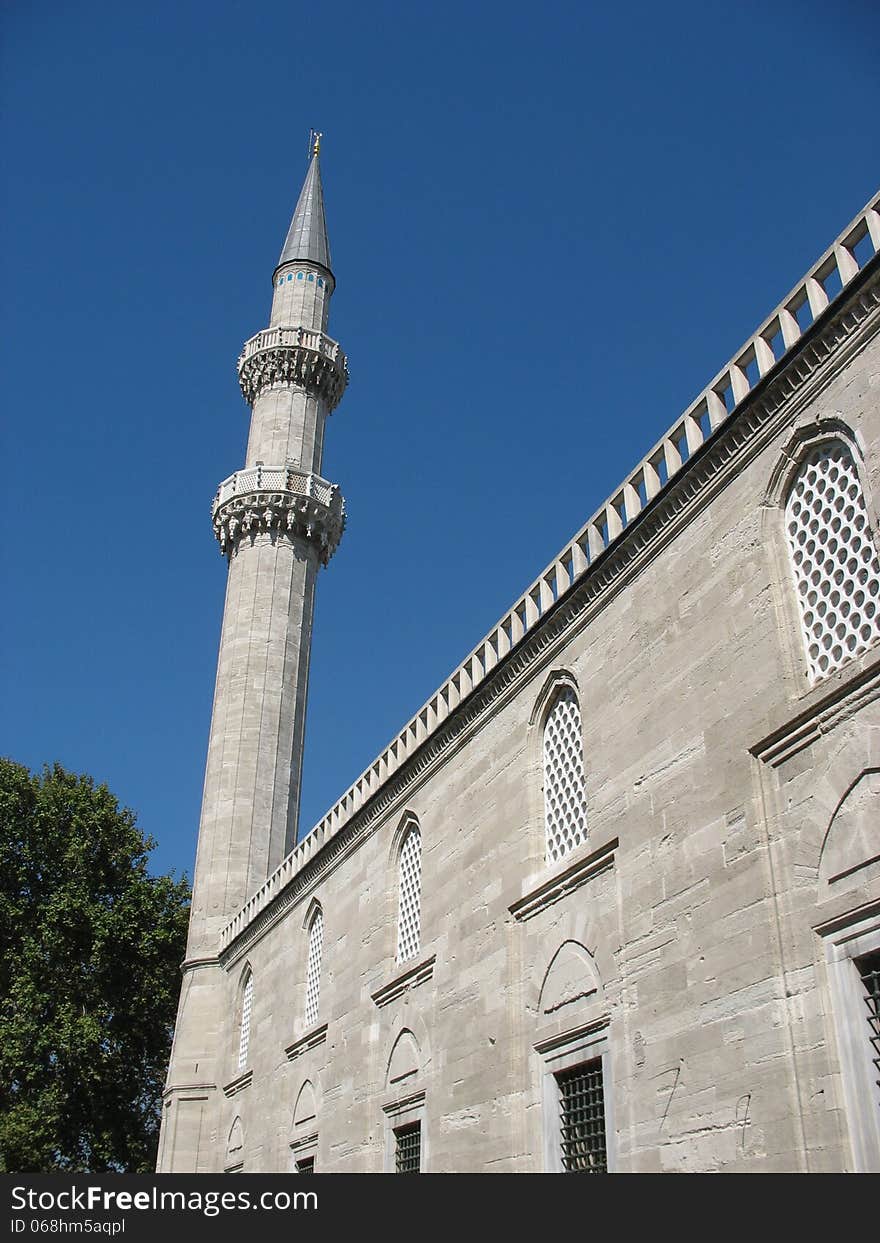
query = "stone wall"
{"x": 690, "y": 941}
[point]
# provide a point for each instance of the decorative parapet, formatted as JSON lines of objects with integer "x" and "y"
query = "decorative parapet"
{"x": 283, "y": 499}
{"x": 293, "y": 356}
{"x": 755, "y": 362}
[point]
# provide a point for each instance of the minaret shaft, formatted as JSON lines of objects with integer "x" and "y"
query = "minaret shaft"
{"x": 252, "y": 781}
{"x": 301, "y": 296}
{"x": 287, "y": 425}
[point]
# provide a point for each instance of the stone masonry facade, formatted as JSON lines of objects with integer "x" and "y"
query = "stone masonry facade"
{"x": 631, "y": 850}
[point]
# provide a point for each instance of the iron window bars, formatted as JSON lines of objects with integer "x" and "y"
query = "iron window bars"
{"x": 582, "y": 1119}
{"x": 408, "y": 1152}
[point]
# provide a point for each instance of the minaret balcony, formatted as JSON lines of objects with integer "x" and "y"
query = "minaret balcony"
{"x": 281, "y": 499}
{"x": 300, "y": 356}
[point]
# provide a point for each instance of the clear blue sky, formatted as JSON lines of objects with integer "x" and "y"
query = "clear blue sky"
{"x": 551, "y": 225}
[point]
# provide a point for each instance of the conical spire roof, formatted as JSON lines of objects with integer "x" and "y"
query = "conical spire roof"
{"x": 307, "y": 235}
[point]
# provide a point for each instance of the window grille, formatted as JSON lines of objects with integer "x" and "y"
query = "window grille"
{"x": 869, "y": 972}
{"x": 582, "y": 1119}
{"x": 246, "y": 1005}
{"x": 836, "y": 567}
{"x": 305, "y": 1165}
{"x": 313, "y": 973}
{"x": 409, "y": 915}
{"x": 408, "y": 1149}
{"x": 565, "y": 804}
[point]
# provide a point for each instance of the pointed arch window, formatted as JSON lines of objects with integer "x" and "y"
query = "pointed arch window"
{"x": 565, "y": 804}
{"x": 313, "y": 971}
{"x": 410, "y": 891}
{"x": 834, "y": 558}
{"x": 247, "y": 1002}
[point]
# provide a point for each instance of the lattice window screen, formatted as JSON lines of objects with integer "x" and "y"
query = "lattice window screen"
{"x": 313, "y": 974}
{"x": 246, "y": 1006}
{"x": 565, "y": 804}
{"x": 409, "y": 916}
{"x": 836, "y": 567}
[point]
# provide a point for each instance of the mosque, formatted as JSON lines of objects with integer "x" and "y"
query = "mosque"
{"x": 610, "y": 900}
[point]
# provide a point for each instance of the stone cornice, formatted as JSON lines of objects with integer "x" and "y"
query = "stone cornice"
{"x": 774, "y": 401}
{"x": 412, "y": 1101}
{"x": 558, "y": 1041}
{"x": 853, "y": 688}
{"x": 239, "y": 1083}
{"x": 304, "y": 1143}
{"x": 564, "y": 882}
{"x": 411, "y": 978}
{"x": 316, "y": 1036}
{"x": 200, "y": 1091}
{"x": 854, "y": 915}
{"x": 307, "y": 359}
{"x": 194, "y": 964}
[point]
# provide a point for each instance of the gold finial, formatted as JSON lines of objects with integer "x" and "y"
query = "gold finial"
{"x": 315, "y": 137}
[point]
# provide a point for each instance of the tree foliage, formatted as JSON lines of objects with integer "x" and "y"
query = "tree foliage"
{"x": 91, "y": 946}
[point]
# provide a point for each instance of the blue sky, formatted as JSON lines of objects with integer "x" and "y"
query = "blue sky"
{"x": 551, "y": 225}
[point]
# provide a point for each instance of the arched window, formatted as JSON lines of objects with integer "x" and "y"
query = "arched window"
{"x": 313, "y": 971}
{"x": 410, "y": 887}
{"x": 247, "y": 1001}
{"x": 565, "y": 804}
{"x": 836, "y": 568}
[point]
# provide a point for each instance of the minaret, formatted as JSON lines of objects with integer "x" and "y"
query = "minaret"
{"x": 277, "y": 521}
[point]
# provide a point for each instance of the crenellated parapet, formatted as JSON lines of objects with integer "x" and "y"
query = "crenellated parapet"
{"x": 283, "y": 499}
{"x": 293, "y": 355}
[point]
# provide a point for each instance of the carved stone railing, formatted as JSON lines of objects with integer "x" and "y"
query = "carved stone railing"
{"x": 758, "y": 359}
{"x": 289, "y": 355}
{"x": 282, "y": 499}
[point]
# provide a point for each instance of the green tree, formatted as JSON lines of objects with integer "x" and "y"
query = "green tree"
{"x": 90, "y": 945}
